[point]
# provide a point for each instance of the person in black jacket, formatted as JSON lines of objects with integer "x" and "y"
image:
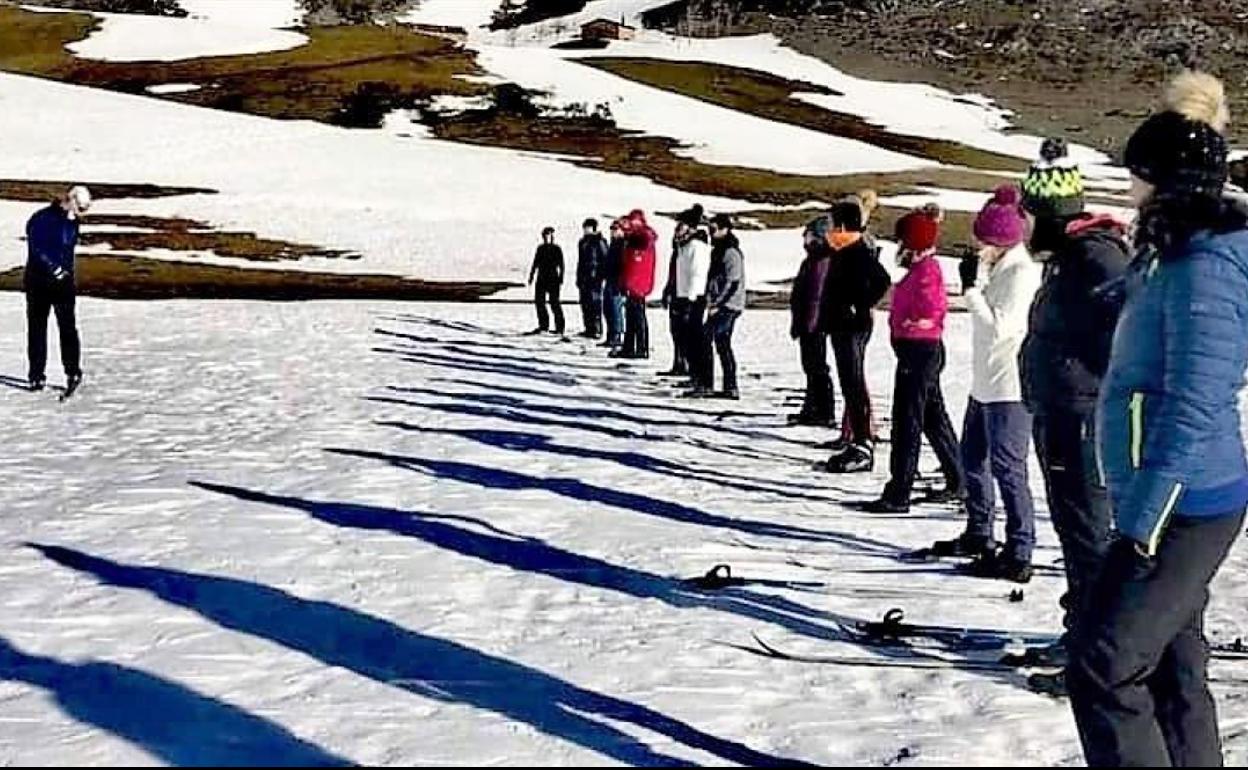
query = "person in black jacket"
{"x": 546, "y": 277}
{"x": 1065, "y": 355}
{"x": 855, "y": 285}
{"x": 590, "y": 274}
{"x": 51, "y": 238}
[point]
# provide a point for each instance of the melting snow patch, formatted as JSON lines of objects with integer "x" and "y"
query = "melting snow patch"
{"x": 173, "y": 88}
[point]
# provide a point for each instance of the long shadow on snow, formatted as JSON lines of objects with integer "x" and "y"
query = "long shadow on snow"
{"x": 13, "y": 382}
{"x": 441, "y": 323}
{"x": 574, "y": 489}
{"x": 587, "y": 413}
{"x": 517, "y": 354}
{"x": 423, "y": 340}
{"x": 169, "y": 721}
{"x": 478, "y": 365}
{"x": 528, "y": 419}
{"x": 519, "y": 441}
{"x": 534, "y": 555}
{"x": 511, "y": 415}
{"x": 435, "y": 668}
{"x": 660, "y": 402}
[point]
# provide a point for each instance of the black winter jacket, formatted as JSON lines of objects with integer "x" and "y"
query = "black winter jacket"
{"x": 1071, "y": 326}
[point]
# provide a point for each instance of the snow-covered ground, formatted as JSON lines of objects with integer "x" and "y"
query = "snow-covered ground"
{"x": 263, "y": 14}
{"x": 404, "y": 535}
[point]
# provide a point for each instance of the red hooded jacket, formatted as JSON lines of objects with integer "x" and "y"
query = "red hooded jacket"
{"x": 640, "y": 259}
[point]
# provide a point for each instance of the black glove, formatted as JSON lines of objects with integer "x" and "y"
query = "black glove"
{"x": 968, "y": 270}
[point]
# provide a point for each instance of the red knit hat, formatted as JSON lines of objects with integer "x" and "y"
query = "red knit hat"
{"x": 917, "y": 231}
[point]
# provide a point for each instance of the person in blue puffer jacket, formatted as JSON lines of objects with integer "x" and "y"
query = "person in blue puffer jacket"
{"x": 1170, "y": 447}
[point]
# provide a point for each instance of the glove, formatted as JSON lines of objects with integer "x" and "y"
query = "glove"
{"x": 968, "y": 270}
{"x": 59, "y": 274}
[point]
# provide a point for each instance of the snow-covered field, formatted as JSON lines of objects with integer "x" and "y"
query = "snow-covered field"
{"x": 384, "y": 534}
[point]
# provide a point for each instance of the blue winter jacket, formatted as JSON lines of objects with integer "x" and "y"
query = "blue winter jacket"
{"x": 1169, "y": 410}
{"x": 51, "y": 237}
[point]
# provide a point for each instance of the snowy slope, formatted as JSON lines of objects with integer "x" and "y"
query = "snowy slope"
{"x": 715, "y": 135}
{"x": 449, "y": 545}
{"x": 906, "y": 108}
{"x": 411, "y": 205}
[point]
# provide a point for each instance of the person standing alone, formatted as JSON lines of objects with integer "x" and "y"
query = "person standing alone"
{"x": 546, "y": 277}
{"x": 49, "y": 281}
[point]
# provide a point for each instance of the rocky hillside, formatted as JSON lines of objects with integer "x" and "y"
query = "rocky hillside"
{"x": 1088, "y": 70}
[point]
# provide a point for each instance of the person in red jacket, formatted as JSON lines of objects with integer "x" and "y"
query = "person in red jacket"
{"x": 637, "y": 282}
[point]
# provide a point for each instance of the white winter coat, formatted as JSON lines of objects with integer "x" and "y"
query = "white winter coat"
{"x": 999, "y": 311}
{"x": 693, "y": 263}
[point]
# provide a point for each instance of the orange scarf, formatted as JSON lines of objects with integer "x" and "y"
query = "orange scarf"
{"x": 842, "y": 239}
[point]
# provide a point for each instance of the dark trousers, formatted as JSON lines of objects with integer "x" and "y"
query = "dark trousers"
{"x": 544, "y": 294}
{"x": 820, "y": 401}
{"x": 686, "y": 317}
{"x": 717, "y": 339}
{"x": 40, "y": 301}
{"x": 919, "y": 410}
{"x": 850, "y": 349}
{"x": 996, "y": 439}
{"x": 591, "y": 309}
{"x": 613, "y": 302}
{"x": 1137, "y": 674}
{"x": 636, "y": 328}
{"x": 1078, "y": 503}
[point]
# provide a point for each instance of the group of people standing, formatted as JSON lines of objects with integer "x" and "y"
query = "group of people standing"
{"x": 705, "y": 293}
{"x": 1117, "y": 351}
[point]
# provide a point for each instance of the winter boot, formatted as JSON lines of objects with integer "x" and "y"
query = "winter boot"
{"x": 998, "y": 566}
{"x": 857, "y": 458}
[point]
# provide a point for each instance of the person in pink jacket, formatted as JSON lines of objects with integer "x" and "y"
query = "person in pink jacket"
{"x": 917, "y": 322}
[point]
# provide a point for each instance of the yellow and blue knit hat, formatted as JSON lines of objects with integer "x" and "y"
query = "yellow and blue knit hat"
{"x": 1053, "y": 187}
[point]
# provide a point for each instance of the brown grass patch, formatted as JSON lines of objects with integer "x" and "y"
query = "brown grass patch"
{"x": 188, "y": 235}
{"x": 42, "y": 191}
{"x": 608, "y": 148}
{"x": 124, "y": 276}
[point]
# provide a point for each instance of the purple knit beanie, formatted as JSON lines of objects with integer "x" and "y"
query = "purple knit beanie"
{"x": 1002, "y": 222}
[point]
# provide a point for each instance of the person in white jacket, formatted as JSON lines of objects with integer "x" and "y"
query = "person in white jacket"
{"x": 690, "y": 266}
{"x": 999, "y": 287}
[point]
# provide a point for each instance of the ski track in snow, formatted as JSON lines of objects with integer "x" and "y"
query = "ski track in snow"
{"x": 403, "y": 534}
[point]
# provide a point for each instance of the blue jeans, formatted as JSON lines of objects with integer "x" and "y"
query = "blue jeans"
{"x": 995, "y": 442}
{"x": 613, "y": 309}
